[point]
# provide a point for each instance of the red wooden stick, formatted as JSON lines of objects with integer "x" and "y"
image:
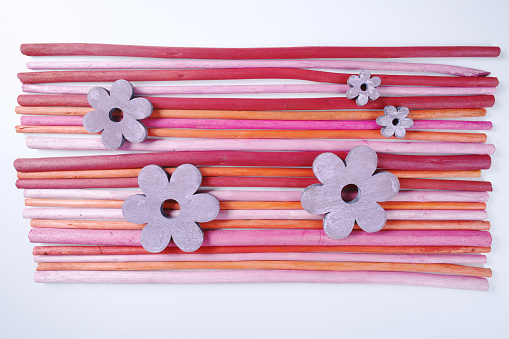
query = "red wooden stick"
{"x": 257, "y": 53}
{"x": 247, "y": 73}
{"x": 234, "y": 104}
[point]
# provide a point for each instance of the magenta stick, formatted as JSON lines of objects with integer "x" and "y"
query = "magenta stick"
{"x": 162, "y": 145}
{"x": 116, "y": 214}
{"x": 250, "y": 89}
{"x": 264, "y": 276}
{"x": 423, "y": 196}
{"x": 338, "y": 257}
{"x": 270, "y": 238}
{"x": 325, "y": 64}
{"x": 35, "y": 120}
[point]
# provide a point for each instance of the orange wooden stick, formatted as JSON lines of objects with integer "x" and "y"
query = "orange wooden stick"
{"x": 271, "y": 134}
{"x": 267, "y": 265}
{"x": 269, "y": 224}
{"x": 258, "y": 205}
{"x": 268, "y": 115}
{"x": 233, "y": 172}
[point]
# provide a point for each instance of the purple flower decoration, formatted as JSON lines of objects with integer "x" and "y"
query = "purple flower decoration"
{"x": 105, "y": 103}
{"x": 363, "y": 87}
{"x": 394, "y": 121}
{"x": 181, "y": 225}
{"x": 330, "y": 197}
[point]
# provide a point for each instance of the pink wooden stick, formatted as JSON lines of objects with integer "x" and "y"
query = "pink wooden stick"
{"x": 270, "y": 238}
{"x": 357, "y": 257}
{"x": 264, "y": 276}
{"x": 34, "y": 120}
{"x": 162, "y": 145}
{"x": 116, "y": 214}
{"x": 459, "y": 196}
{"x": 324, "y": 64}
{"x": 249, "y": 89}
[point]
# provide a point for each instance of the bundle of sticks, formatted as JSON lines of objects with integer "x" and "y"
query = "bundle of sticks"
{"x": 255, "y": 155}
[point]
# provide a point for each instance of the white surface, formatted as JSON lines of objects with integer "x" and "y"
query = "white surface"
{"x": 29, "y": 310}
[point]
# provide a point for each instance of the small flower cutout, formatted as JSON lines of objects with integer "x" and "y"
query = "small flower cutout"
{"x": 394, "y": 121}
{"x": 363, "y": 87}
{"x": 340, "y": 206}
{"x": 102, "y": 119}
{"x": 181, "y": 225}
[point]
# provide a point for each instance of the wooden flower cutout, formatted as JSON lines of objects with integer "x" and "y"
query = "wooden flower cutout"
{"x": 394, "y": 121}
{"x": 180, "y": 225}
{"x": 102, "y": 119}
{"x": 363, "y": 87}
{"x": 342, "y": 208}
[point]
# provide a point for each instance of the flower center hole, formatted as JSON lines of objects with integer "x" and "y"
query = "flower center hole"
{"x": 395, "y": 122}
{"x": 350, "y": 193}
{"x": 170, "y": 208}
{"x": 364, "y": 87}
{"x": 116, "y": 115}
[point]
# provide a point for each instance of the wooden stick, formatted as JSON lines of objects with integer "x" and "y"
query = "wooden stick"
{"x": 265, "y": 145}
{"x": 258, "y": 205}
{"x": 133, "y": 250}
{"x": 268, "y": 115}
{"x": 270, "y": 238}
{"x": 257, "y": 53}
{"x": 263, "y": 124}
{"x": 240, "y": 158}
{"x": 303, "y": 63}
{"x": 391, "y": 225}
{"x": 268, "y": 265}
{"x": 233, "y": 171}
{"x": 290, "y": 104}
{"x": 316, "y": 257}
{"x": 249, "y": 89}
{"x": 271, "y": 134}
{"x": 419, "y": 184}
{"x": 265, "y": 276}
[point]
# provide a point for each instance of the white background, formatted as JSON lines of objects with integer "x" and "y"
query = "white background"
{"x": 33, "y": 310}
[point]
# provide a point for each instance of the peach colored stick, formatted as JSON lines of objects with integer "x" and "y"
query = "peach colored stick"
{"x": 258, "y": 205}
{"x": 268, "y": 265}
{"x": 268, "y": 115}
{"x": 271, "y": 134}
{"x": 269, "y": 224}
{"x": 234, "y": 171}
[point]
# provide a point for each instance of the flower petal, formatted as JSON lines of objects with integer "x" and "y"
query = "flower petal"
{"x": 202, "y": 207}
{"x": 382, "y": 186}
{"x": 362, "y": 99}
{"x": 403, "y": 111}
{"x": 156, "y": 236}
{"x": 338, "y": 224}
{"x": 370, "y": 217}
{"x": 374, "y": 82}
{"x": 354, "y": 81}
{"x": 353, "y": 92}
{"x": 133, "y": 130}
{"x": 188, "y": 236}
{"x": 122, "y": 91}
{"x": 373, "y": 93}
{"x": 186, "y": 179}
{"x": 387, "y": 131}
{"x": 364, "y": 75}
{"x": 390, "y": 111}
{"x": 361, "y": 162}
{"x": 135, "y": 210}
{"x": 328, "y": 167}
{"x": 95, "y": 121}
{"x": 399, "y": 132}
{"x": 384, "y": 120}
{"x": 112, "y": 138}
{"x": 97, "y": 96}
{"x": 406, "y": 122}
{"x": 153, "y": 180}
{"x": 315, "y": 199}
{"x": 138, "y": 108}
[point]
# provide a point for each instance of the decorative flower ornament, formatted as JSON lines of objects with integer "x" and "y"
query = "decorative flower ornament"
{"x": 335, "y": 176}
{"x": 363, "y": 87}
{"x": 105, "y": 103}
{"x": 394, "y": 121}
{"x": 148, "y": 208}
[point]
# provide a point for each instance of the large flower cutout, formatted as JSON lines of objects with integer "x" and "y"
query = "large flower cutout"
{"x": 342, "y": 213}
{"x": 363, "y": 87}
{"x": 394, "y": 121}
{"x": 161, "y": 227}
{"x": 105, "y": 103}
